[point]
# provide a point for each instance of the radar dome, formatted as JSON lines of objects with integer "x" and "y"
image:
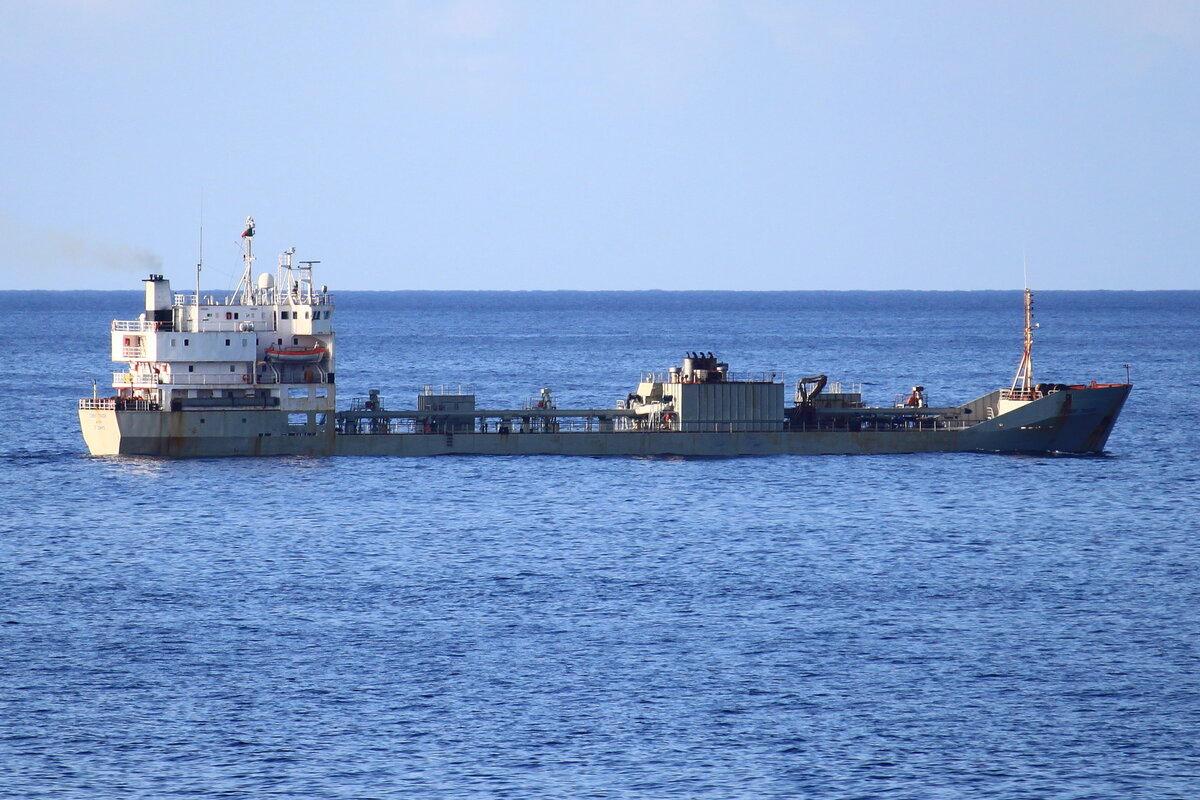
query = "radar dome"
{"x": 265, "y": 281}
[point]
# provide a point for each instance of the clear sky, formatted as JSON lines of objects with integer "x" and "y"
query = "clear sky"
{"x": 469, "y": 144}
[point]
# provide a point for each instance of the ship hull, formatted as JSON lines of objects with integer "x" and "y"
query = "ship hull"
{"x": 212, "y": 433}
{"x": 1070, "y": 421}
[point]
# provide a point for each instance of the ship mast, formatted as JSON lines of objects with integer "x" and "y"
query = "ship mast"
{"x": 245, "y": 286}
{"x": 199, "y": 266}
{"x": 1023, "y": 380}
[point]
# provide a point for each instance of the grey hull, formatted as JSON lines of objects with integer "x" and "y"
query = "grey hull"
{"x": 1070, "y": 421}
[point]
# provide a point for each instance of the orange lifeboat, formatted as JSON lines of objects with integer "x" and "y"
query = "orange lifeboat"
{"x": 296, "y": 355}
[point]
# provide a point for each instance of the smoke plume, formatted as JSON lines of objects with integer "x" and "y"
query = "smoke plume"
{"x": 43, "y": 254}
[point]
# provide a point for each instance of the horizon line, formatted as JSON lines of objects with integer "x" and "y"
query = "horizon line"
{"x": 645, "y": 291}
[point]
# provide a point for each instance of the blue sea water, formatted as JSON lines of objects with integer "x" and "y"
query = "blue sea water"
{"x": 921, "y": 626}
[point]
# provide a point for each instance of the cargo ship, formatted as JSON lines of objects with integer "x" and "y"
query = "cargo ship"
{"x": 252, "y": 373}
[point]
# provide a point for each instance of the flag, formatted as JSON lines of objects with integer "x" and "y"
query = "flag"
{"x": 248, "y": 232}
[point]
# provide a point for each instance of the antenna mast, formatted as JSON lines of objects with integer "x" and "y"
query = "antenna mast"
{"x": 199, "y": 265}
{"x": 306, "y": 279}
{"x": 246, "y": 285}
{"x": 1023, "y": 380}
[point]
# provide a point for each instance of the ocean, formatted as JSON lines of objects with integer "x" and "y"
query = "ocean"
{"x": 906, "y": 626}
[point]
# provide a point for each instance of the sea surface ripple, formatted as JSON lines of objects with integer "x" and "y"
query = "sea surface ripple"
{"x": 920, "y": 626}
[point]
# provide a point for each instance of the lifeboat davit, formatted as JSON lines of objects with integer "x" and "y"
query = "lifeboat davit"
{"x": 296, "y": 355}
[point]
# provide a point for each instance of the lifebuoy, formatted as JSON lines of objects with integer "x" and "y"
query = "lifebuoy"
{"x": 245, "y": 378}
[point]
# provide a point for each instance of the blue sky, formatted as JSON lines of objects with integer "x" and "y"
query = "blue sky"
{"x": 605, "y": 145}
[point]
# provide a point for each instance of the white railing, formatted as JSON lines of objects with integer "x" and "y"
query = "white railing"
{"x": 261, "y": 299}
{"x": 208, "y": 379}
{"x": 429, "y": 389}
{"x": 184, "y": 379}
{"x": 227, "y": 325}
{"x": 135, "y": 325}
{"x": 189, "y": 326}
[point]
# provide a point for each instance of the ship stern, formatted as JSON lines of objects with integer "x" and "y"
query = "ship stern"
{"x": 99, "y": 426}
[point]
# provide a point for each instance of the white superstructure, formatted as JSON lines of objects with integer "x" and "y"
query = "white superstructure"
{"x": 269, "y": 345}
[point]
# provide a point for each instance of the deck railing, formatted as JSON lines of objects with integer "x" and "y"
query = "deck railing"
{"x": 227, "y": 325}
{"x": 184, "y": 300}
{"x": 135, "y": 325}
{"x": 185, "y": 379}
{"x": 446, "y": 388}
{"x": 242, "y": 379}
{"x": 730, "y": 377}
{"x": 573, "y": 425}
{"x": 116, "y": 404}
{"x": 189, "y": 326}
